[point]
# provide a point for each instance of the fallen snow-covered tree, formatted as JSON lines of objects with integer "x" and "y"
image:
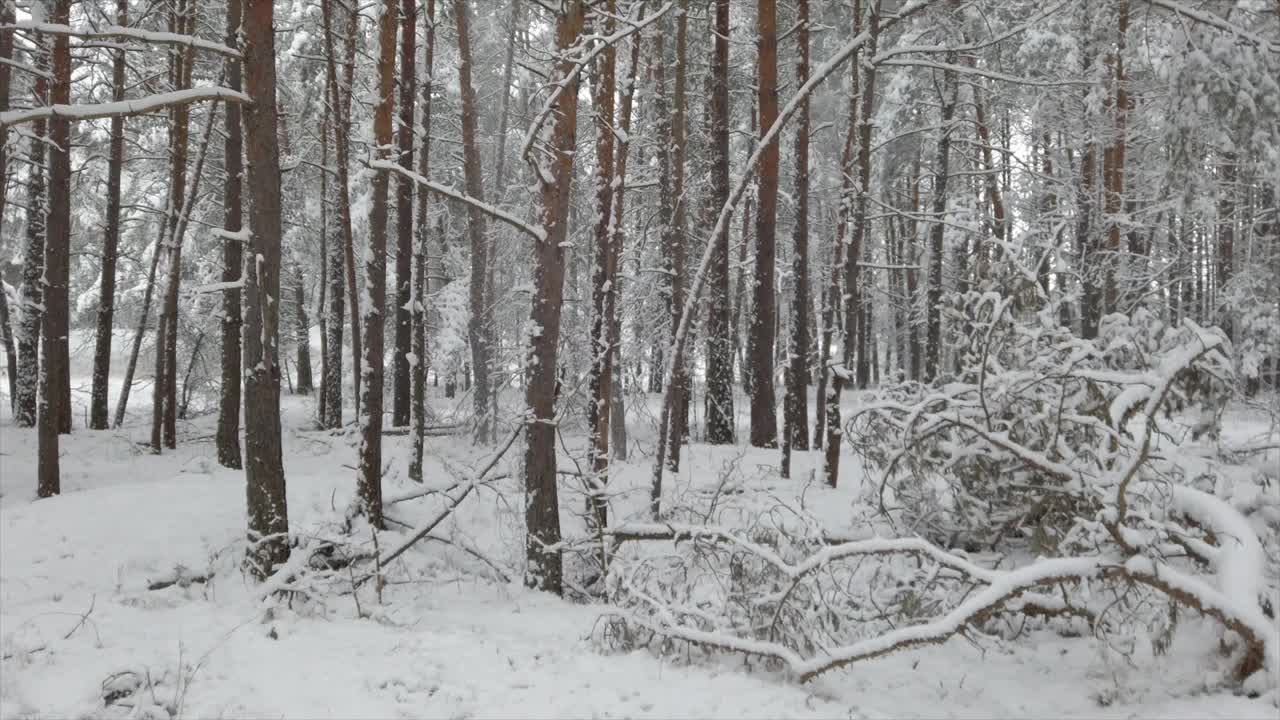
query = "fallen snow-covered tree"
{"x": 1051, "y": 449}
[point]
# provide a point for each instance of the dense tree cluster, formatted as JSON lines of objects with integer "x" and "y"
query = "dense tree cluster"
{"x": 588, "y": 203}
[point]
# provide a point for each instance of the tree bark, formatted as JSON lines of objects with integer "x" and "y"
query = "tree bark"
{"x": 720, "y": 328}
{"x": 375, "y": 281}
{"x": 165, "y": 392}
{"x": 857, "y": 355}
{"x": 6, "y": 322}
{"x": 555, "y": 177}
{"x": 941, "y": 171}
{"x": 264, "y": 465}
{"x": 340, "y": 105}
{"x": 603, "y": 297}
{"x": 764, "y": 428}
{"x": 617, "y": 406}
{"x": 110, "y": 243}
{"x": 54, "y": 407}
{"x": 305, "y": 384}
{"x": 123, "y": 403}
{"x": 479, "y": 327}
{"x": 334, "y": 307}
{"x": 836, "y": 372}
{"x": 228, "y": 434}
{"x": 421, "y": 264}
{"x": 401, "y": 386}
{"x": 1114, "y": 160}
{"x": 31, "y": 300}
{"x": 796, "y": 404}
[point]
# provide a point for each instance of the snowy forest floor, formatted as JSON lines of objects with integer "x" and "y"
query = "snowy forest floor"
{"x": 449, "y": 639}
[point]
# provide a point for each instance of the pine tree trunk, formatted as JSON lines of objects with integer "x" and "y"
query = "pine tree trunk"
{"x": 110, "y": 243}
{"x": 602, "y": 286}
{"x": 123, "y": 403}
{"x": 54, "y": 411}
{"x": 333, "y": 305}
{"x": 305, "y": 384}
{"x": 720, "y": 330}
{"x": 340, "y": 103}
{"x": 617, "y": 403}
{"x": 164, "y": 406}
{"x": 764, "y": 427}
{"x": 375, "y": 281}
{"x": 264, "y": 465}
{"x": 31, "y": 300}
{"x": 796, "y": 404}
{"x": 421, "y": 264}
{"x": 6, "y": 322}
{"x": 228, "y": 434}
{"x": 479, "y": 328}
{"x": 1114, "y": 160}
{"x": 178, "y": 233}
{"x": 836, "y": 373}
{"x": 933, "y": 338}
{"x": 679, "y": 241}
{"x": 857, "y": 352}
{"x": 401, "y": 386}
{"x": 542, "y": 505}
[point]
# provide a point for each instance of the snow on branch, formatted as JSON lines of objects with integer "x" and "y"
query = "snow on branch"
{"x": 217, "y": 287}
{"x": 117, "y": 31}
{"x": 140, "y": 106}
{"x": 1207, "y": 18}
{"x": 24, "y": 67}
{"x": 491, "y": 210}
{"x": 599, "y": 45}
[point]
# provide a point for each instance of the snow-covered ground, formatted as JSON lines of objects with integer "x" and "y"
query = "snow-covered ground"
{"x": 78, "y": 620}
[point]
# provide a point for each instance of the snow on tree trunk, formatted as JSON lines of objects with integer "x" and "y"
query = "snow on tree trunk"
{"x": 264, "y": 464}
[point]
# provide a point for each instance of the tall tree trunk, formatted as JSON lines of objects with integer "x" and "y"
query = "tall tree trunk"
{"x": 555, "y": 178}
{"x": 857, "y": 352}
{"x": 764, "y": 428}
{"x": 54, "y": 407}
{"x": 795, "y": 412}
{"x": 400, "y": 397}
{"x": 603, "y": 297}
{"x": 334, "y": 307}
{"x": 110, "y": 243}
{"x": 165, "y": 392}
{"x": 264, "y": 464}
{"x": 1113, "y": 171}
{"x": 228, "y": 435}
{"x": 668, "y": 113}
{"x": 1224, "y": 265}
{"x": 305, "y": 384}
{"x": 31, "y": 300}
{"x": 340, "y": 103}
{"x": 720, "y": 345}
{"x": 479, "y": 328}
{"x": 679, "y": 240}
{"x": 1086, "y": 245}
{"x": 420, "y": 249}
{"x": 375, "y": 281}
{"x": 6, "y": 326}
{"x": 913, "y": 273}
{"x": 836, "y": 373}
{"x": 504, "y": 113}
{"x": 178, "y": 233}
{"x": 144, "y": 314}
{"x": 941, "y": 170}
{"x": 617, "y": 407}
